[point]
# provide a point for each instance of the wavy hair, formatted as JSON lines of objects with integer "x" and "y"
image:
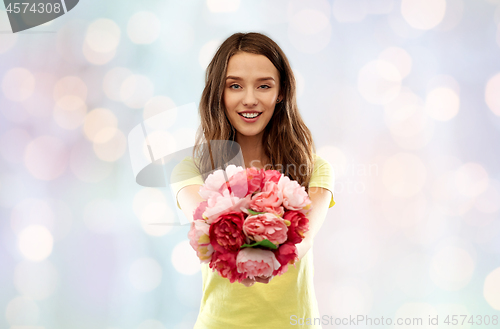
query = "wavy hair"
{"x": 287, "y": 141}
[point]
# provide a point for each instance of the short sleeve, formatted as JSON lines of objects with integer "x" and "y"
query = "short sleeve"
{"x": 185, "y": 173}
{"x": 323, "y": 176}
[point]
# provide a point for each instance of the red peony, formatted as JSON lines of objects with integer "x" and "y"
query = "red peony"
{"x": 226, "y": 232}
{"x": 285, "y": 254}
{"x": 299, "y": 224}
{"x": 225, "y": 264}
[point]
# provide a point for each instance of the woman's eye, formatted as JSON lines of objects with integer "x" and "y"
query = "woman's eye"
{"x": 267, "y": 87}
{"x": 231, "y": 86}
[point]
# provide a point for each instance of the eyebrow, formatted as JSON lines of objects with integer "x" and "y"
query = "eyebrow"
{"x": 259, "y": 79}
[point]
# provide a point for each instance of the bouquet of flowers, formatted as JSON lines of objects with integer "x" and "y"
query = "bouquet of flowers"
{"x": 249, "y": 223}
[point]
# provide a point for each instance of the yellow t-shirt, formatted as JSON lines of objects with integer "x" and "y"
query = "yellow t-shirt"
{"x": 281, "y": 303}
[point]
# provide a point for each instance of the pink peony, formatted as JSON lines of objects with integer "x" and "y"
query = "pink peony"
{"x": 299, "y": 224}
{"x": 200, "y": 241}
{"x": 226, "y": 232}
{"x": 198, "y": 212}
{"x": 237, "y": 185}
{"x": 215, "y": 180}
{"x": 225, "y": 264}
{"x": 272, "y": 175}
{"x": 269, "y": 200}
{"x": 221, "y": 204}
{"x": 256, "y": 262}
{"x": 294, "y": 196}
{"x": 285, "y": 254}
{"x": 265, "y": 226}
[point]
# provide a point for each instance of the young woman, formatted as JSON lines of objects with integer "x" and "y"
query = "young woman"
{"x": 249, "y": 98}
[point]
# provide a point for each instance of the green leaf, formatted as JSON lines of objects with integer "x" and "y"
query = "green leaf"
{"x": 255, "y": 212}
{"x": 264, "y": 243}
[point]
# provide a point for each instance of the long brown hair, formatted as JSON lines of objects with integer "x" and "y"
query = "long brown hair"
{"x": 287, "y": 141}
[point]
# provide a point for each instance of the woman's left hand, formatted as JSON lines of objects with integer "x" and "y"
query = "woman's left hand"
{"x": 263, "y": 279}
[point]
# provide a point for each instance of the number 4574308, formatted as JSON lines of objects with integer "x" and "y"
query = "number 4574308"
{"x": 40, "y": 7}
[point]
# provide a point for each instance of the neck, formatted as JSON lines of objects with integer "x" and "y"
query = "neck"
{"x": 253, "y": 152}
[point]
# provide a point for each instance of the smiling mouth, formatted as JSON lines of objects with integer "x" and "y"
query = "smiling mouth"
{"x": 250, "y": 115}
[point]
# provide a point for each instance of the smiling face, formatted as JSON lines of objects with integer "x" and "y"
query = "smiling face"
{"x": 252, "y": 87}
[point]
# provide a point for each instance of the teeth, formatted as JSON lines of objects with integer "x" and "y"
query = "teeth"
{"x": 249, "y": 116}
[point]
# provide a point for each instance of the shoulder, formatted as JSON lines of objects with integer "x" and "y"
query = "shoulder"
{"x": 186, "y": 168}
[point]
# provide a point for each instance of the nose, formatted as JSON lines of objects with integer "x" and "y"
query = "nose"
{"x": 249, "y": 98}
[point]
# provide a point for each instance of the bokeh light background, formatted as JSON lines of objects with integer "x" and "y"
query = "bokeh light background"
{"x": 403, "y": 98}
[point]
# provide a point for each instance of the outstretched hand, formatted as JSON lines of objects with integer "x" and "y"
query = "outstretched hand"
{"x": 262, "y": 279}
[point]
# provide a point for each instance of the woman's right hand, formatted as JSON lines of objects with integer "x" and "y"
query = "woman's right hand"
{"x": 248, "y": 282}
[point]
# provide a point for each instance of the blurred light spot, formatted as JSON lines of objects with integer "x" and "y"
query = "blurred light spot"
{"x": 95, "y": 57}
{"x": 442, "y": 104}
{"x": 162, "y": 143}
{"x": 113, "y": 80}
{"x": 488, "y": 202}
{"x": 412, "y": 275}
{"x": 182, "y": 40}
{"x": 8, "y": 40}
{"x": 86, "y": 166}
{"x": 471, "y": 179}
{"x": 353, "y": 250}
{"x": 406, "y": 212}
{"x": 299, "y": 83}
{"x": 399, "y": 58}
{"x": 143, "y": 27}
{"x": 223, "y": 6}
{"x": 309, "y": 31}
{"x": 404, "y": 175}
{"x": 453, "y": 15}
{"x": 423, "y": 14}
{"x": 491, "y": 289}
{"x": 112, "y": 149}
{"x": 151, "y": 324}
{"x": 404, "y": 115}
{"x": 12, "y": 144}
{"x": 100, "y": 215}
{"x": 157, "y": 218}
{"x": 429, "y": 230}
{"x": 443, "y": 81}
{"x": 103, "y": 35}
{"x": 18, "y": 84}
{"x": 497, "y": 17}
{"x": 41, "y": 102}
{"x": 37, "y": 280}
{"x": 492, "y": 94}
{"x": 69, "y": 112}
{"x": 337, "y": 159}
{"x": 146, "y": 196}
{"x": 350, "y": 10}
{"x": 145, "y": 274}
{"x": 45, "y": 157}
{"x": 29, "y": 212}
{"x": 447, "y": 197}
{"x": 350, "y": 296}
{"x": 70, "y": 86}
{"x": 184, "y": 258}
{"x": 160, "y": 104}
{"x": 452, "y": 268}
{"x": 207, "y": 52}
{"x": 22, "y": 311}
{"x": 35, "y": 242}
{"x": 379, "y": 82}
{"x": 414, "y": 315}
{"x": 98, "y": 120}
{"x": 136, "y": 90}
{"x": 401, "y": 28}
{"x": 380, "y": 7}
